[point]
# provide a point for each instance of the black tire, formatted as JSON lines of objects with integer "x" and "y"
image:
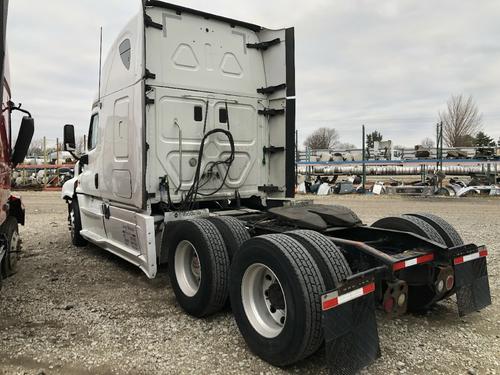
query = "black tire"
{"x": 213, "y": 259}
{"x": 11, "y": 232}
{"x": 301, "y": 283}
{"x": 420, "y": 296}
{"x": 233, "y": 232}
{"x": 445, "y": 229}
{"x": 410, "y": 224}
{"x": 330, "y": 260}
{"x": 75, "y": 224}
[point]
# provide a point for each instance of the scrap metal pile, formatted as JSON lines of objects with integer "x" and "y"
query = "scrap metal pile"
{"x": 433, "y": 184}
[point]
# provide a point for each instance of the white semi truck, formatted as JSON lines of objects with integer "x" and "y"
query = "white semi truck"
{"x": 191, "y": 162}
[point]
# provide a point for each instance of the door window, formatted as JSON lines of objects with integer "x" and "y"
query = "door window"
{"x": 93, "y": 132}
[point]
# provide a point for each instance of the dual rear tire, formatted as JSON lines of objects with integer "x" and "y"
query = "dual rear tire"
{"x": 276, "y": 285}
{"x": 198, "y": 265}
{"x": 274, "y": 282}
{"x": 422, "y": 292}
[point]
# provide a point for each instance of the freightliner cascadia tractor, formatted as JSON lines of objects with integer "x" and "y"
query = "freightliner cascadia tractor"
{"x": 191, "y": 163}
{"x": 11, "y": 207}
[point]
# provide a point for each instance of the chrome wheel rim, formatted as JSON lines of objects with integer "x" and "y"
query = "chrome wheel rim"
{"x": 187, "y": 268}
{"x": 263, "y": 300}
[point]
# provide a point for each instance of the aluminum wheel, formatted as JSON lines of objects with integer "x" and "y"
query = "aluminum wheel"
{"x": 72, "y": 223}
{"x": 187, "y": 268}
{"x": 263, "y": 300}
{"x": 14, "y": 255}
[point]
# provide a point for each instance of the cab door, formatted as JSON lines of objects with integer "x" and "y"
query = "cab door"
{"x": 89, "y": 193}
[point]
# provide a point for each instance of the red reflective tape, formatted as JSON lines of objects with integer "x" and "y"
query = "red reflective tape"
{"x": 346, "y": 297}
{"x": 425, "y": 258}
{"x": 466, "y": 258}
{"x": 330, "y": 304}
{"x": 398, "y": 266}
{"x": 413, "y": 262}
{"x": 369, "y": 288}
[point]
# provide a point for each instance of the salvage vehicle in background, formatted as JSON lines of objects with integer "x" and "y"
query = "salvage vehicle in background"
{"x": 191, "y": 163}
{"x": 12, "y": 209}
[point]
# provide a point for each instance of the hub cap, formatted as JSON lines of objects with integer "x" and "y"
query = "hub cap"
{"x": 401, "y": 299}
{"x": 263, "y": 300}
{"x": 187, "y": 268}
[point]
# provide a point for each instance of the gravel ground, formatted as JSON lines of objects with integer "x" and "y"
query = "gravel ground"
{"x": 84, "y": 311}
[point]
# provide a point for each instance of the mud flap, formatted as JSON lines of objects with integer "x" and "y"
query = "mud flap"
{"x": 471, "y": 282}
{"x": 350, "y": 326}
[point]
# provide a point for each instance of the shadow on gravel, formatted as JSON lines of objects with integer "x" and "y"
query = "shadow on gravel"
{"x": 114, "y": 260}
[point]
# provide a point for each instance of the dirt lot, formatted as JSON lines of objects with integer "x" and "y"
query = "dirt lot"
{"x": 83, "y": 311}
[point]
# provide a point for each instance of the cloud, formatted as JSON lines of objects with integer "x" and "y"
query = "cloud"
{"x": 389, "y": 64}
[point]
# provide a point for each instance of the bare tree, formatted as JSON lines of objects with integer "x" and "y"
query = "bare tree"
{"x": 345, "y": 146}
{"x": 428, "y": 142}
{"x": 322, "y": 139}
{"x": 81, "y": 147}
{"x": 461, "y": 120}
{"x": 36, "y": 148}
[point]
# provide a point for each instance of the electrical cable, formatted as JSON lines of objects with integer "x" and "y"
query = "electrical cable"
{"x": 189, "y": 199}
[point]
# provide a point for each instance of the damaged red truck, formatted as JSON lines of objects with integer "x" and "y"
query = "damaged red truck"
{"x": 11, "y": 207}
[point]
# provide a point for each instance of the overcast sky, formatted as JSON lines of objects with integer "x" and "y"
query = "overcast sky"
{"x": 391, "y": 65}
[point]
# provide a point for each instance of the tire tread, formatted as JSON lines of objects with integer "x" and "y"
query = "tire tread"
{"x": 231, "y": 227}
{"x": 445, "y": 229}
{"x": 313, "y": 285}
{"x": 220, "y": 265}
{"x": 329, "y": 258}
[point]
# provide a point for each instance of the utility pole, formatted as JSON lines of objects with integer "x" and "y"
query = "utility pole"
{"x": 57, "y": 159}
{"x": 297, "y": 157}
{"x": 439, "y": 148}
{"x": 44, "y": 161}
{"x": 364, "y": 160}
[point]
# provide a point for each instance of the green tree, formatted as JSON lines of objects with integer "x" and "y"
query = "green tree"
{"x": 482, "y": 139}
{"x": 373, "y": 137}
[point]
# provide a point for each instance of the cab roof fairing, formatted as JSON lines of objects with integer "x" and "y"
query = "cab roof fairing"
{"x": 114, "y": 75}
